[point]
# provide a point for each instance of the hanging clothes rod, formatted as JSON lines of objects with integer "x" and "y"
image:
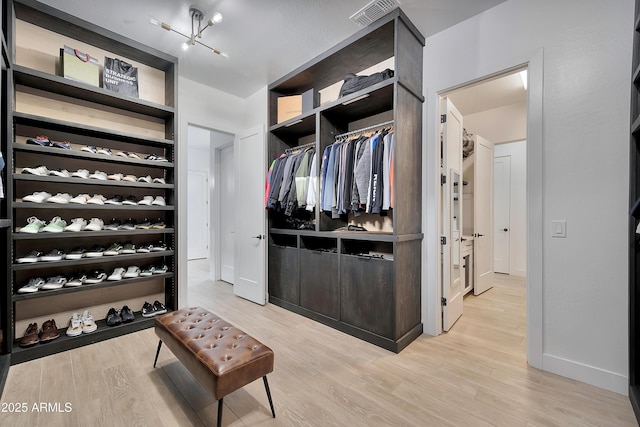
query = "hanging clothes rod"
{"x": 299, "y": 147}
{"x": 353, "y": 132}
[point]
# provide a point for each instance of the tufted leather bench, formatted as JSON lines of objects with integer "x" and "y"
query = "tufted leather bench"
{"x": 220, "y": 356}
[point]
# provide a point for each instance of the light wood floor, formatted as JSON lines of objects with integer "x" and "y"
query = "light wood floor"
{"x": 475, "y": 375}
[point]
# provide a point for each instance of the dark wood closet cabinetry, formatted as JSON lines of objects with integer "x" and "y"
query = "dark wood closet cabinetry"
{"x": 137, "y": 138}
{"x": 321, "y": 270}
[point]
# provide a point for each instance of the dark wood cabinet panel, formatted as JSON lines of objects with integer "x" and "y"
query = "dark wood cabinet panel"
{"x": 319, "y": 282}
{"x": 283, "y": 273}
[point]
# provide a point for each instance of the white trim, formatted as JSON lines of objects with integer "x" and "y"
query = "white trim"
{"x": 602, "y": 378}
{"x": 534, "y": 209}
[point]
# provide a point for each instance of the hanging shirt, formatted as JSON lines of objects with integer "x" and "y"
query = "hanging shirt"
{"x": 313, "y": 184}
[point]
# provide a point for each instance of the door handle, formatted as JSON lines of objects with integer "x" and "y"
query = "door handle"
{"x": 505, "y": 229}
{"x": 259, "y": 237}
{"x": 478, "y": 235}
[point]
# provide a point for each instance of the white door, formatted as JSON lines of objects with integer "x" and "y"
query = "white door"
{"x": 250, "y": 217}
{"x": 198, "y": 215}
{"x": 452, "y": 285}
{"x": 502, "y": 189}
{"x": 483, "y": 215}
{"x": 227, "y": 215}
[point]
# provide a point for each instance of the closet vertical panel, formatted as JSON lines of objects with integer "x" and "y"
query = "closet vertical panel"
{"x": 408, "y": 163}
{"x": 407, "y": 298}
{"x": 409, "y": 47}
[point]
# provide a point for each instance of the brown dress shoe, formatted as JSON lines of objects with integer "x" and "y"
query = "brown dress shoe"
{"x": 30, "y": 336}
{"x": 49, "y": 331}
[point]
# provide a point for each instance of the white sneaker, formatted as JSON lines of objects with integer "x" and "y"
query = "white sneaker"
{"x": 62, "y": 198}
{"x": 98, "y": 175}
{"x": 81, "y": 173}
{"x": 75, "y": 326}
{"x": 38, "y": 170}
{"x": 95, "y": 224}
{"x": 55, "y": 282}
{"x": 80, "y": 199}
{"x": 159, "y": 201}
{"x": 146, "y": 200}
{"x": 34, "y": 285}
{"x": 115, "y": 177}
{"x": 130, "y": 178}
{"x": 133, "y": 271}
{"x": 97, "y": 199}
{"x": 106, "y": 151}
{"x": 88, "y": 324}
{"x": 159, "y": 181}
{"x": 77, "y": 224}
{"x": 146, "y": 179}
{"x": 117, "y": 274}
{"x": 37, "y": 197}
{"x": 34, "y": 225}
{"x": 62, "y": 173}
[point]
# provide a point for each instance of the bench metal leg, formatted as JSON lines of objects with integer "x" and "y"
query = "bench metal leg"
{"x": 157, "y": 353}
{"x": 220, "y": 412}
{"x": 266, "y": 387}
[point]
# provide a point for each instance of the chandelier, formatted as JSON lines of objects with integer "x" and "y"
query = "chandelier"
{"x": 196, "y": 32}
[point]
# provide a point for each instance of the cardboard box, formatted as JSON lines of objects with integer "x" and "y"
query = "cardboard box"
{"x": 79, "y": 66}
{"x": 289, "y": 107}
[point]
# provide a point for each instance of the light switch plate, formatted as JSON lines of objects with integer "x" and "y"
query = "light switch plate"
{"x": 559, "y": 228}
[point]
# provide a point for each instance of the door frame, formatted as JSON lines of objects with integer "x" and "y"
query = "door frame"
{"x": 431, "y": 271}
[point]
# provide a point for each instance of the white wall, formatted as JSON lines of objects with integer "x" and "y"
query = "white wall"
{"x": 212, "y": 109}
{"x": 518, "y": 204}
{"x": 581, "y": 52}
{"x": 502, "y": 124}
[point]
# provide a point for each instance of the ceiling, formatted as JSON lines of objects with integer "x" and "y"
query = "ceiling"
{"x": 265, "y": 39}
{"x": 489, "y": 94}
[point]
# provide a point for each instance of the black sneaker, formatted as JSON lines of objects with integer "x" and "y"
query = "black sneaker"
{"x": 128, "y": 248}
{"x": 127, "y": 314}
{"x": 159, "y": 307}
{"x": 160, "y": 269}
{"x": 158, "y": 247}
{"x": 76, "y": 253}
{"x": 145, "y": 248}
{"x": 65, "y": 145}
{"x": 113, "y": 225}
{"x": 130, "y": 224}
{"x": 145, "y": 224}
{"x": 96, "y": 276}
{"x": 159, "y": 224}
{"x": 95, "y": 251}
{"x": 33, "y": 256}
{"x": 114, "y": 249}
{"x": 148, "y": 310}
{"x": 113, "y": 318}
{"x": 77, "y": 279}
{"x": 130, "y": 200}
{"x": 52, "y": 255}
{"x": 42, "y": 141}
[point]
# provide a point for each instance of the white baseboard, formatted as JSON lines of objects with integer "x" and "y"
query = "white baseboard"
{"x": 587, "y": 374}
{"x": 519, "y": 272}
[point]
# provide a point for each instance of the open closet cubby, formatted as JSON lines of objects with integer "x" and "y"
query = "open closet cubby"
{"x": 135, "y": 137}
{"x": 356, "y": 272}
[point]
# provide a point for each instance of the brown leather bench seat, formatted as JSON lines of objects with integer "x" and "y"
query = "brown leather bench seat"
{"x": 220, "y": 356}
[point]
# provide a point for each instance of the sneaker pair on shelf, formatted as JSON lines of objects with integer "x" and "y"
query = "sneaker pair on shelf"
{"x": 95, "y": 150}
{"x": 115, "y": 317}
{"x": 35, "y": 225}
{"x": 81, "y": 324}
{"x": 150, "y": 310}
{"x": 35, "y": 256}
{"x": 32, "y": 337}
{"x": 38, "y": 283}
{"x": 44, "y": 141}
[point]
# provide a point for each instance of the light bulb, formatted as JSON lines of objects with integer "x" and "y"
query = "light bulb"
{"x": 154, "y": 21}
{"x": 184, "y": 46}
{"x": 224, "y": 54}
{"x": 217, "y": 18}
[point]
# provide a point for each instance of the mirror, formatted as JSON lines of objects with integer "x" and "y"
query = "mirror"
{"x": 456, "y": 199}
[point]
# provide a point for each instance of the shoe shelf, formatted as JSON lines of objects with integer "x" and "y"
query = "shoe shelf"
{"x": 89, "y": 260}
{"x": 72, "y": 180}
{"x": 63, "y": 109}
{"x": 59, "y": 85}
{"x": 65, "y": 342}
{"x": 46, "y": 123}
{"x": 83, "y": 234}
{"x": 347, "y": 235}
{"x": 103, "y": 284}
{"x": 90, "y": 156}
{"x": 70, "y": 206}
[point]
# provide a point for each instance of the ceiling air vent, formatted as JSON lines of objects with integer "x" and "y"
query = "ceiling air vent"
{"x": 374, "y": 11}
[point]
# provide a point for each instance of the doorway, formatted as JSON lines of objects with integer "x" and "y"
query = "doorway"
{"x": 492, "y": 196}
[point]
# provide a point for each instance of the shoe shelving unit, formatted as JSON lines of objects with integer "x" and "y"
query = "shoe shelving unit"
{"x": 5, "y": 211}
{"x": 321, "y": 273}
{"x": 44, "y": 103}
